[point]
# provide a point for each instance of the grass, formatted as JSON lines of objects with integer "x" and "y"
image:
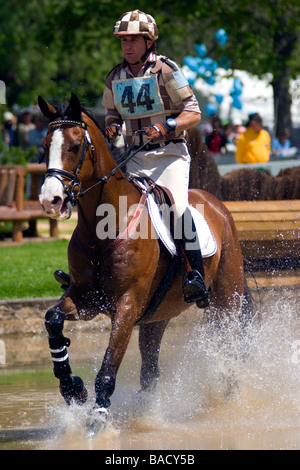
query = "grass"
{"x": 25, "y": 376}
{"x": 27, "y": 269}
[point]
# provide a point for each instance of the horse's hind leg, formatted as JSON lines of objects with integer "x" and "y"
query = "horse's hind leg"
{"x": 71, "y": 387}
{"x": 150, "y": 337}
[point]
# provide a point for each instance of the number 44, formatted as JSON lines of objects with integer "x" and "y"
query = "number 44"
{"x": 143, "y": 98}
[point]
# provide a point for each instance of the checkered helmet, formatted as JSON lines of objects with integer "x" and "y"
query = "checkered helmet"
{"x": 136, "y": 22}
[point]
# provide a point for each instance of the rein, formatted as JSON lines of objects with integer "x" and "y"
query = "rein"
{"x": 73, "y": 195}
{"x": 74, "y": 177}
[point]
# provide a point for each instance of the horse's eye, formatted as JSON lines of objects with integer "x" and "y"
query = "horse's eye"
{"x": 75, "y": 148}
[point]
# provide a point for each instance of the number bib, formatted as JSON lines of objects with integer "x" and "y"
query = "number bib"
{"x": 137, "y": 97}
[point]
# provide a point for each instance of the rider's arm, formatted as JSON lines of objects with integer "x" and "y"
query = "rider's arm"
{"x": 184, "y": 121}
{"x": 187, "y": 119}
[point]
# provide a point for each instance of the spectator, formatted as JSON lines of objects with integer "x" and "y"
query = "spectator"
{"x": 206, "y": 129}
{"x": 25, "y": 125}
{"x": 233, "y": 134}
{"x": 216, "y": 140}
{"x": 254, "y": 145}
{"x": 282, "y": 144}
{"x": 36, "y": 136}
{"x": 10, "y": 128}
{"x": 236, "y": 130}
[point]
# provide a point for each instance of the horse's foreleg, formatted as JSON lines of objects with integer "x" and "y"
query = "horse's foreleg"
{"x": 150, "y": 337}
{"x": 71, "y": 387}
{"x": 122, "y": 327}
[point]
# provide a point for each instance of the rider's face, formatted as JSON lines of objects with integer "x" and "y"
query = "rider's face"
{"x": 134, "y": 47}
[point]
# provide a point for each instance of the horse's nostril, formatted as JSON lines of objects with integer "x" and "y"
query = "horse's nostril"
{"x": 55, "y": 200}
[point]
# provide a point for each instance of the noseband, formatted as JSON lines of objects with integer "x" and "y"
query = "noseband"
{"x": 73, "y": 190}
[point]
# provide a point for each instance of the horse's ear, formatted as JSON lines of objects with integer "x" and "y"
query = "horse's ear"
{"x": 75, "y": 107}
{"x": 47, "y": 109}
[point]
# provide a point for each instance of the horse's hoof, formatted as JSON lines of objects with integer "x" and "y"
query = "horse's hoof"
{"x": 96, "y": 421}
{"x": 74, "y": 391}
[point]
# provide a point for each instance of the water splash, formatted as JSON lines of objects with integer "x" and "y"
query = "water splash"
{"x": 261, "y": 368}
{"x": 192, "y": 405}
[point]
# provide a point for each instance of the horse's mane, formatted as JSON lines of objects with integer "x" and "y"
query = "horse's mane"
{"x": 64, "y": 112}
{"x": 92, "y": 117}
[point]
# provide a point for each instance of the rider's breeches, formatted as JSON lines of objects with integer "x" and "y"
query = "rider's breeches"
{"x": 168, "y": 166}
{"x": 54, "y": 322}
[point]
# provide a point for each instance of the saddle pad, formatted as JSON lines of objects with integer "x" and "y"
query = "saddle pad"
{"x": 207, "y": 242}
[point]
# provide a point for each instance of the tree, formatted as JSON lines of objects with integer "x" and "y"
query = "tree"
{"x": 263, "y": 38}
{"x": 53, "y": 47}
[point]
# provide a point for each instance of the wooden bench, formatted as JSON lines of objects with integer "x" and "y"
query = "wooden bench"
{"x": 13, "y": 208}
{"x": 267, "y": 229}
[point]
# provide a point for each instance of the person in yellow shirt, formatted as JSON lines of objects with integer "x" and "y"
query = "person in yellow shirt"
{"x": 254, "y": 145}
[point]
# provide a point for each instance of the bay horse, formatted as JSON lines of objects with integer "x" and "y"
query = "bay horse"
{"x": 119, "y": 277}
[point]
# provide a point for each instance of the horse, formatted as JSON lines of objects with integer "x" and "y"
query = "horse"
{"x": 119, "y": 276}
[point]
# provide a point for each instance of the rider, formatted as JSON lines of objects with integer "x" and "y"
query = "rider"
{"x": 150, "y": 92}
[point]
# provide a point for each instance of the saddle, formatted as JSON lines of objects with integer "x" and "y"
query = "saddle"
{"x": 160, "y": 197}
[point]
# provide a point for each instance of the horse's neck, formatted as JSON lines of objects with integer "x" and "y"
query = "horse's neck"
{"x": 112, "y": 194}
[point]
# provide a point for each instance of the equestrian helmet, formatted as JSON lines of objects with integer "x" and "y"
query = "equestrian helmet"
{"x": 134, "y": 23}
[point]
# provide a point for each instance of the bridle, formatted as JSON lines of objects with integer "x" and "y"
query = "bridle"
{"x": 73, "y": 190}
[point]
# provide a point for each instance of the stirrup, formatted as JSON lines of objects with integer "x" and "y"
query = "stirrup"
{"x": 62, "y": 278}
{"x": 194, "y": 289}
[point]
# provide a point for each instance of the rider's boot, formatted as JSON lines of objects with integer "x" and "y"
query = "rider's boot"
{"x": 194, "y": 288}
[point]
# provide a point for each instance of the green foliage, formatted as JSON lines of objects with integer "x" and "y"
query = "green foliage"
{"x": 263, "y": 36}
{"x": 54, "y": 47}
{"x": 27, "y": 270}
{"x": 15, "y": 155}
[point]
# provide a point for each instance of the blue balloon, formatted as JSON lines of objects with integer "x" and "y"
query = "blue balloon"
{"x": 210, "y": 79}
{"x": 225, "y": 62}
{"x": 213, "y": 66}
{"x": 236, "y": 103}
{"x": 219, "y": 98}
{"x": 201, "y": 50}
{"x": 192, "y": 63}
{"x": 192, "y": 80}
{"x": 207, "y": 61}
{"x": 237, "y": 88}
{"x": 210, "y": 109}
{"x": 210, "y": 64}
{"x": 221, "y": 37}
{"x": 201, "y": 70}
{"x": 237, "y": 85}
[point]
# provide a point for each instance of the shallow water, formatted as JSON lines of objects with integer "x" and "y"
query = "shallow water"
{"x": 191, "y": 408}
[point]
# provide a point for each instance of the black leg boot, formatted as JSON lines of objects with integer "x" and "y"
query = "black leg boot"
{"x": 194, "y": 288}
{"x": 62, "y": 278}
{"x": 71, "y": 387}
